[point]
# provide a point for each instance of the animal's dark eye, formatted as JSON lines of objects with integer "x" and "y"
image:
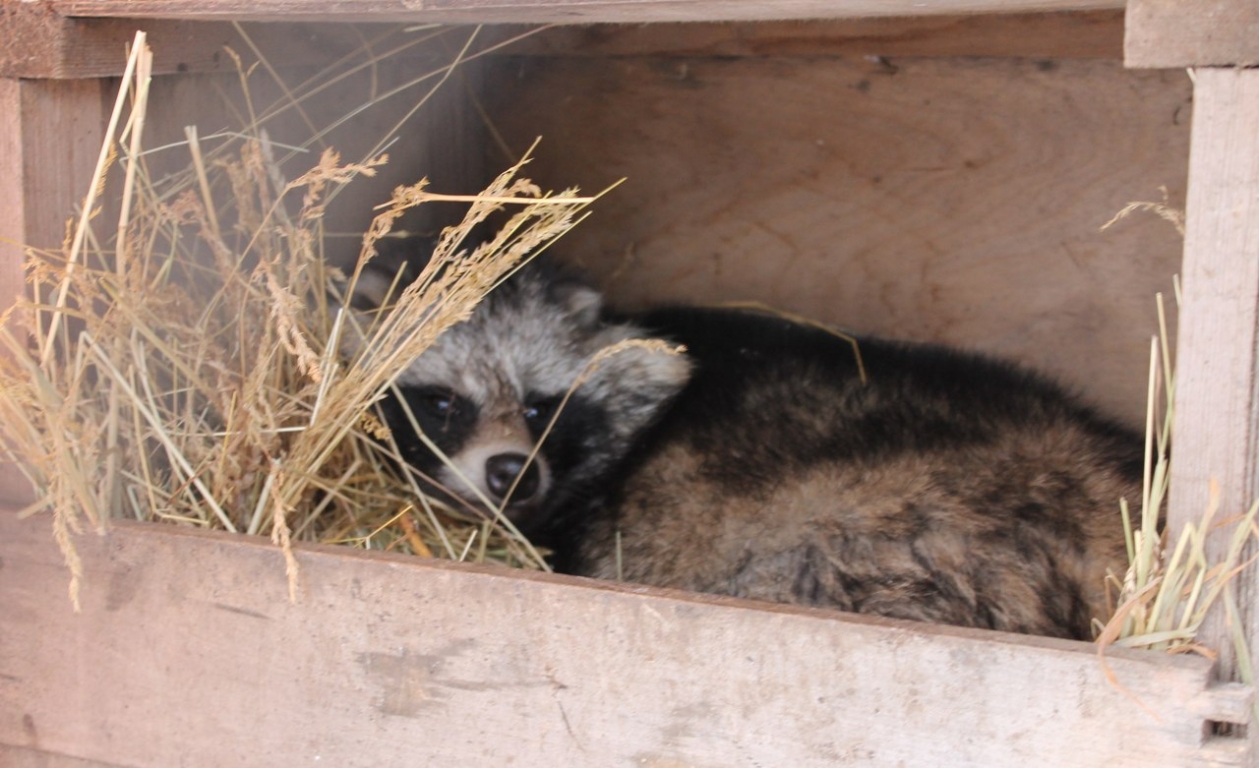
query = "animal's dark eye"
{"x": 439, "y": 402}
{"x": 539, "y": 410}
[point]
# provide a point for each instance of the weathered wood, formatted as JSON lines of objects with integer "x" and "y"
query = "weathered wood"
{"x": 35, "y": 42}
{"x": 16, "y": 757}
{"x": 188, "y": 650}
{"x": 1216, "y": 411}
{"x": 12, "y": 203}
{"x": 951, "y": 200}
{"x": 13, "y": 487}
{"x": 49, "y": 140}
{"x": 553, "y": 11}
{"x": 1175, "y": 33}
{"x": 1094, "y": 34}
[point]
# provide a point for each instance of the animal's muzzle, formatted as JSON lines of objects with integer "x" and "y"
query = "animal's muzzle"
{"x": 505, "y": 470}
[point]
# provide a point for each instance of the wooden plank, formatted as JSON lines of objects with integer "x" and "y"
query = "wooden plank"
{"x": 1174, "y": 33}
{"x": 49, "y": 141}
{"x": 1216, "y": 410}
{"x": 1093, "y": 34}
{"x": 955, "y": 200}
{"x": 13, "y": 486}
{"x": 37, "y": 43}
{"x": 553, "y": 11}
{"x": 187, "y": 649}
{"x": 16, "y": 757}
{"x": 12, "y": 203}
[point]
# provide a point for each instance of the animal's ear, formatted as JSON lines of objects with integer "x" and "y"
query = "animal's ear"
{"x": 639, "y": 379}
{"x": 384, "y": 277}
{"x": 581, "y": 302}
{"x": 376, "y": 287}
{"x": 369, "y": 297}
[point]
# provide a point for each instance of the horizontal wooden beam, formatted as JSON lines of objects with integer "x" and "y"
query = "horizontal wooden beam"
{"x": 188, "y": 650}
{"x": 36, "y": 43}
{"x": 1086, "y": 34}
{"x": 1176, "y": 33}
{"x": 553, "y": 11}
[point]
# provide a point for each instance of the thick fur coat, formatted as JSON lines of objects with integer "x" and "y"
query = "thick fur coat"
{"x": 944, "y": 487}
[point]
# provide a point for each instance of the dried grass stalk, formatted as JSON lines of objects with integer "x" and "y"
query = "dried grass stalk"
{"x": 186, "y": 367}
{"x": 1169, "y": 588}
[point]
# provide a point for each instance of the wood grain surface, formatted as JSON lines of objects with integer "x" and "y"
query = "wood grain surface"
{"x": 949, "y": 200}
{"x": 1216, "y": 377}
{"x": 50, "y": 136}
{"x": 553, "y": 11}
{"x": 1175, "y": 33}
{"x": 38, "y": 43}
{"x": 1081, "y": 34}
{"x": 188, "y": 652}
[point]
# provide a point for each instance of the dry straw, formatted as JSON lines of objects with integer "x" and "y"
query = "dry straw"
{"x": 186, "y": 368}
{"x": 1170, "y": 587}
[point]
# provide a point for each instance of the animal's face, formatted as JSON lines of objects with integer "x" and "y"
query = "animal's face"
{"x": 494, "y": 387}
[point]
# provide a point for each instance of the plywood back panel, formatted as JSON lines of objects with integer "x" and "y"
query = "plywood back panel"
{"x": 952, "y": 200}
{"x": 188, "y": 652}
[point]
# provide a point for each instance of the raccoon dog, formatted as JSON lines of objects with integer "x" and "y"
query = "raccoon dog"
{"x": 489, "y": 388}
{"x": 945, "y": 487}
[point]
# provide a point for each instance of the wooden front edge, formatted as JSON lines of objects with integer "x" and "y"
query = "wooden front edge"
{"x": 1176, "y": 33}
{"x": 188, "y": 651}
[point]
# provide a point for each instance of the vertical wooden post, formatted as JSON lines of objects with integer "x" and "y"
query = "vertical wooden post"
{"x": 13, "y": 487}
{"x": 1217, "y": 413}
{"x": 12, "y": 205}
{"x": 50, "y": 134}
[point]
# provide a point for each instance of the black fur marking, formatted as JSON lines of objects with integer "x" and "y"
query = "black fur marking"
{"x": 448, "y": 428}
{"x": 800, "y": 386}
{"x": 806, "y": 583}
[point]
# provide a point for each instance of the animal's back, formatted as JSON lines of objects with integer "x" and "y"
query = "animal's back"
{"x": 944, "y": 488}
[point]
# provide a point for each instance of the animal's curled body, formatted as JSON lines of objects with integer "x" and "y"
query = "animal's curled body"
{"x": 945, "y": 487}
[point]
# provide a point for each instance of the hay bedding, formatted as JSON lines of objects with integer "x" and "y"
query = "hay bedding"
{"x": 184, "y": 369}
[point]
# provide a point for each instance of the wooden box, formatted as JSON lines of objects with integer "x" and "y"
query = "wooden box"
{"x": 933, "y": 170}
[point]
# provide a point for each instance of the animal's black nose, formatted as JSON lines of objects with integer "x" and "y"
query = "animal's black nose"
{"x": 501, "y": 471}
